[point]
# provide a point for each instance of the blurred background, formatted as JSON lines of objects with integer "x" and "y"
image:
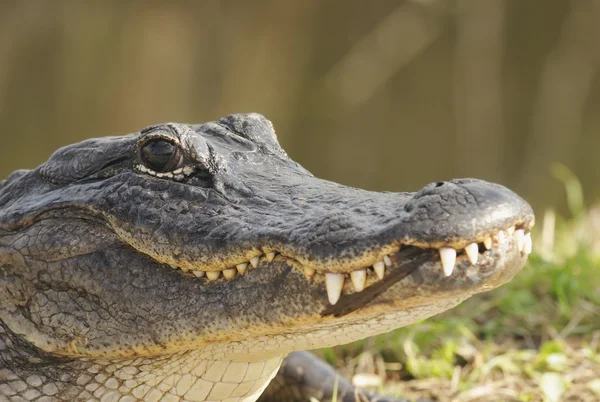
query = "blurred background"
{"x": 384, "y": 95}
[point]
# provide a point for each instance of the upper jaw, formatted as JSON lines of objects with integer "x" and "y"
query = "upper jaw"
{"x": 489, "y": 219}
{"x": 480, "y": 265}
{"x": 343, "y": 239}
{"x": 445, "y": 271}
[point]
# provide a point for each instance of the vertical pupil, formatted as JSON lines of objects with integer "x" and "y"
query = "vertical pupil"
{"x": 159, "y": 155}
{"x": 162, "y": 149}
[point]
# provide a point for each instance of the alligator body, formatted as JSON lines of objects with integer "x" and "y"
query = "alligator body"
{"x": 184, "y": 262}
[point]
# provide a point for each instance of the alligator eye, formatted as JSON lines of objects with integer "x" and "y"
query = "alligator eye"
{"x": 161, "y": 155}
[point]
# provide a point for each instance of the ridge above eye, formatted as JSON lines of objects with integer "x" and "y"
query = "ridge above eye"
{"x": 161, "y": 155}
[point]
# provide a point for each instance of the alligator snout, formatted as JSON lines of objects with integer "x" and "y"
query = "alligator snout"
{"x": 462, "y": 211}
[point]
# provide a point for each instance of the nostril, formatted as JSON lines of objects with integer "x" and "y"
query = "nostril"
{"x": 439, "y": 184}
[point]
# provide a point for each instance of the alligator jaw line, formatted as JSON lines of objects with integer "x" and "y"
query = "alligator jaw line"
{"x": 334, "y": 281}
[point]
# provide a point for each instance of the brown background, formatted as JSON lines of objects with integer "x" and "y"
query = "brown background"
{"x": 378, "y": 94}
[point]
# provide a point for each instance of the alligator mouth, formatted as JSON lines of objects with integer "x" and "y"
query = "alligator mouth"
{"x": 372, "y": 274}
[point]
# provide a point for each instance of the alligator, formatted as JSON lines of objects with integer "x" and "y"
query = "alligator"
{"x": 185, "y": 262}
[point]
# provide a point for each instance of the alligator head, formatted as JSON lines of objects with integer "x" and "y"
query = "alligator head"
{"x": 208, "y": 237}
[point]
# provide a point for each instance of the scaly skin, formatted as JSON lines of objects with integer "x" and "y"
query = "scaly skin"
{"x": 124, "y": 269}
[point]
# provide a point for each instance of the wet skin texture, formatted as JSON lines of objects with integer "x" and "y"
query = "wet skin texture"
{"x": 98, "y": 247}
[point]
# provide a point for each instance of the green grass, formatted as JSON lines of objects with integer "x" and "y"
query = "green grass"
{"x": 534, "y": 339}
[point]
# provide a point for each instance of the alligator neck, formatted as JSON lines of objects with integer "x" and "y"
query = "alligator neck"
{"x": 184, "y": 376}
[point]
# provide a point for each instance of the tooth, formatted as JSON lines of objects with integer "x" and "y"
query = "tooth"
{"x": 387, "y": 260}
{"x": 270, "y": 256}
{"x": 241, "y": 268}
{"x": 309, "y": 273}
{"x": 487, "y": 242}
{"x": 510, "y": 230}
{"x": 500, "y": 236}
{"x": 520, "y": 239}
{"x": 448, "y": 257}
{"x": 334, "y": 284}
{"x": 379, "y": 268}
{"x": 213, "y": 275}
{"x": 229, "y": 273}
{"x": 199, "y": 274}
{"x": 254, "y": 261}
{"x": 528, "y": 245}
{"x": 173, "y": 266}
{"x": 359, "y": 278}
{"x": 472, "y": 251}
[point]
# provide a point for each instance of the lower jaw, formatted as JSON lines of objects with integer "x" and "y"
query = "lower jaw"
{"x": 328, "y": 332}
